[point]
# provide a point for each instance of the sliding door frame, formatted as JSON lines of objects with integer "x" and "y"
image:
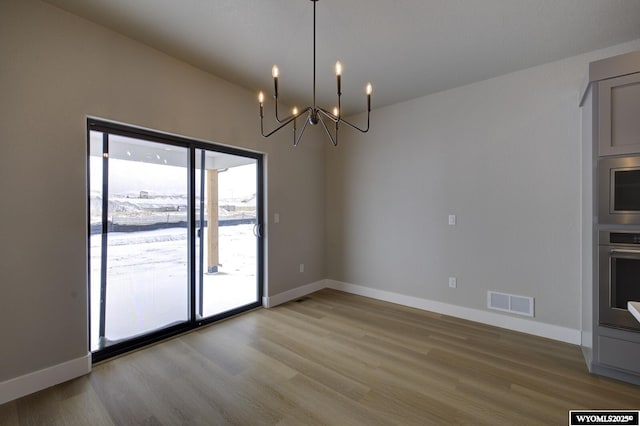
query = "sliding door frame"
{"x": 193, "y": 322}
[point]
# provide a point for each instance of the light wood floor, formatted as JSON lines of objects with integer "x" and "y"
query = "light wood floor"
{"x": 335, "y": 359}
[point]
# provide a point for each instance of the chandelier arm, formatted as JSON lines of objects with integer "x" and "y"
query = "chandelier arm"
{"x": 277, "y": 128}
{"x": 326, "y": 129}
{"x": 276, "y": 113}
{"x": 342, "y": 120}
{"x": 280, "y": 121}
{"x": 284, "y": 123}
{"x": 339, "y": 120}
{"x": 307, "y": 109}
{"x": 296, "y": 140}
{"x": 328, "y": 114}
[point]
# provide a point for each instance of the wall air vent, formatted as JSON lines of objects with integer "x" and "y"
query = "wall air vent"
{"x": 511, "y": 303}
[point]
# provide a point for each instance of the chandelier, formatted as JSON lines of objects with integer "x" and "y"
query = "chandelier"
{"x": 312, "y": 114}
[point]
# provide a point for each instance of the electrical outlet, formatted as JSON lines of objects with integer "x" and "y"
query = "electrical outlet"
{"x": 453, "y": 282}
{"x": 452, "y": 219}
{"x": 276, "y": 218}
{"x": 302, "y": 267}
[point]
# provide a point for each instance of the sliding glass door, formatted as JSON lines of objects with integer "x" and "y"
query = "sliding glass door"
{"x": 228, "y": 231}
{"x": 175, "y": 237}
{"x": 140, "y": 262}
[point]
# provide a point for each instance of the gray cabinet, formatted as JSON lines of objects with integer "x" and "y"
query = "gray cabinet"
{"x": 610, "y": 105}
{"x": 619, "y": 115}
{"x": 619, "y": 354}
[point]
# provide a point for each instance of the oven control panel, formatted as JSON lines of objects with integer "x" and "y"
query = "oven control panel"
{"x": 624, "y": 237}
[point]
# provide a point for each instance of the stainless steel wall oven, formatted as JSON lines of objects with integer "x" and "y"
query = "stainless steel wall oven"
{"x": 619, "y": 190}
{"x": 619, "y": 255}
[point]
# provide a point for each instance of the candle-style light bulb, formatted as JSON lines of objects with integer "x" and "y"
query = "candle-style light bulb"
{"x": 295, "y": 124}
{"x": 338, "y": 74}
{"x": 335, "y": 111}
{"x": 369, "y": 89}
{"x": 275, "y": 72}
{"x": 261, "y": 100}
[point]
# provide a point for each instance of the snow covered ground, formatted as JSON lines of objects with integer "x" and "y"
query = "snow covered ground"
{"x": 147, "y": 279}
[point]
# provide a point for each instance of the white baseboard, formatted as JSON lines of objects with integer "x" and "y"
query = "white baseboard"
{"x": 535, "y": 328}
{"x": 280, "y": 298}
{"x": 33, "y": 382}
{"x": 550, "y": 331}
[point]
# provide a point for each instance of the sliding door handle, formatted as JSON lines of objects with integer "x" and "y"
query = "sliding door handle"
{"x": 258, "y": 230}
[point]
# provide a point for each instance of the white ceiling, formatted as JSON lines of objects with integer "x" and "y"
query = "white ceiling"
{"x": 406, "y": 48}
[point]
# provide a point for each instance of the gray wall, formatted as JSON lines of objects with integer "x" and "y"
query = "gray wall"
{"x": 504, "y": 155}
{"x": 55, "y": 69}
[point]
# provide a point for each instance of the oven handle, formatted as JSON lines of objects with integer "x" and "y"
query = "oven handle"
{"x": 624, "y": 251}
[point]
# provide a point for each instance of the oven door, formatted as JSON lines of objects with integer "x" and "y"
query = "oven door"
{"x": 619, "y": 284}
{"x": 619, "y": 190}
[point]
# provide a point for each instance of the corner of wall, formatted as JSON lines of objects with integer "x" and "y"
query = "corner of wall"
{"x": 286, "y": 296}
